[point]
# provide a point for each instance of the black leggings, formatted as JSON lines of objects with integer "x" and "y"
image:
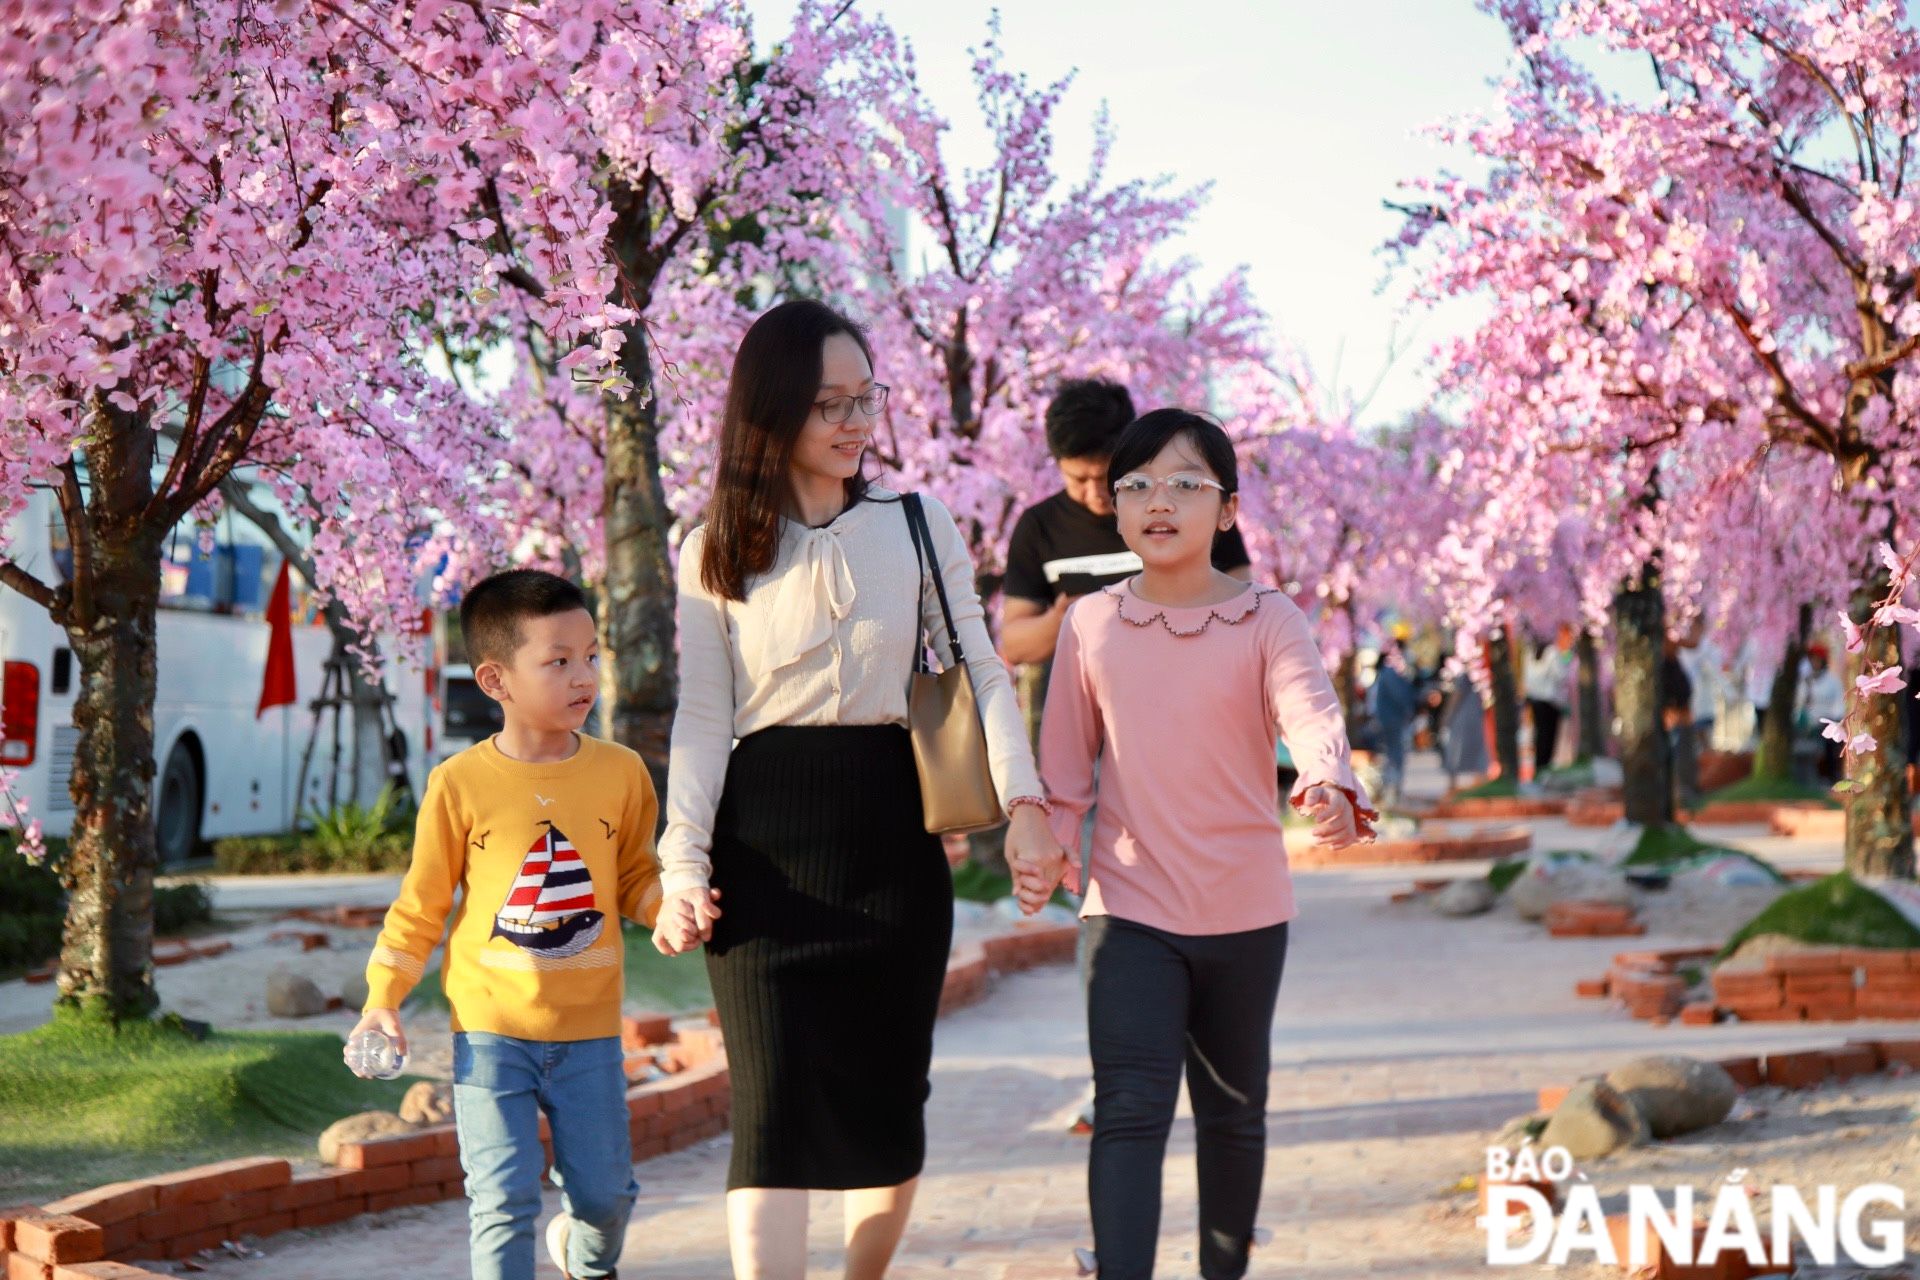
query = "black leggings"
{"x": 1546, "y": 734}
{"x": 1158, "y": 1002}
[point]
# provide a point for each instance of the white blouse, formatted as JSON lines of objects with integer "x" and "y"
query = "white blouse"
{"x": 825, "y": 637}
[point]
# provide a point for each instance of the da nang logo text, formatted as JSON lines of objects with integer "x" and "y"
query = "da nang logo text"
{"x": 1863, "y": 1226}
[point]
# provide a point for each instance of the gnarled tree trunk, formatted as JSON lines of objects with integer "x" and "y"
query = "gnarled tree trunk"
{"x": 1506, "y": 704}
{"x": 1640, "y": 625}
{"x": 106, "y": 952}
{"x": 1774, "y": 759}
{"x": 1879, "y": 813}
{"x": 1593, "y": 733}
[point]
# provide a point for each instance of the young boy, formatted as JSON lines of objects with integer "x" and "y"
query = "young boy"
{"x": 537, "y": 842}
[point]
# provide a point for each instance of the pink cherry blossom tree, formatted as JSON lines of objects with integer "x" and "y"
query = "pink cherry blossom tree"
{"x": 228, "y": 233}
{"x": 1736, "y": 245}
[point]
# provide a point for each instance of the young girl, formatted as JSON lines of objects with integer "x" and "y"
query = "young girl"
{"x": 795, "y": 795}
{"x": 1176, "y": 681}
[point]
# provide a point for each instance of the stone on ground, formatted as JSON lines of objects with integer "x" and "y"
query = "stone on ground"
{"x": 291, "y": 996}
{"x": 428, "y": 1102}
{"x": 1594, "y": 1120}
{"x": 361, "y": 1128}
{"x": 1465, "y": 897}
{"x": 1675, "y": 1093}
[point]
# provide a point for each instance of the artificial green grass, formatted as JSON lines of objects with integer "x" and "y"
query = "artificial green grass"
{"x": 667, "y": 984}
{"x": 1567, "y": 776}
{"x": 82, "y": 1104}
{"x": 1490, "y": 789}
{"x": 1504, "y": 872}
{"x": 1659, "y": 846}
{"x": 1835, "y": 911}
{"x": 1758, "y": 788}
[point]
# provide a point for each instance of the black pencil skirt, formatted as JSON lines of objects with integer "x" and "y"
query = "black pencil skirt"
{"x": 828, "y": 957}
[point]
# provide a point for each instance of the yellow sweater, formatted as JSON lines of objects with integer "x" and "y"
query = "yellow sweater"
{"x": 546, "y": 860}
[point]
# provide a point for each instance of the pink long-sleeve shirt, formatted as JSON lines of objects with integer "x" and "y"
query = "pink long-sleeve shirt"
{"x": 1179, "y": 708}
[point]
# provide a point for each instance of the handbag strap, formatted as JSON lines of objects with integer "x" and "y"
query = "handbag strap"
{"x": 923, "y": 537}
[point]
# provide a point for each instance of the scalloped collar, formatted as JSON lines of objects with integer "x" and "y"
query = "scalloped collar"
{"x": 1189, "y": 620}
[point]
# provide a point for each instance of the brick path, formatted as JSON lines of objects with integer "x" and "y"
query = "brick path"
{"x": 1402, "y": 1040}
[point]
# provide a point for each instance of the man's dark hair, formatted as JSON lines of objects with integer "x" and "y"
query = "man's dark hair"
{"x": 1152, "y": 432}
{"x": 493, "y": 608}
{"x": 1086, "y": 417}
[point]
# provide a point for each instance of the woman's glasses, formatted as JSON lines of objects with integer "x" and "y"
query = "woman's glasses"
{"x": 840, "y": 408}
{"x": 1183, "y": 486}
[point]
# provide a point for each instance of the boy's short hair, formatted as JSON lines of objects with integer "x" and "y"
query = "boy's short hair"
{"x": 1085, "y": 418}
{"x": 493, "y": 608}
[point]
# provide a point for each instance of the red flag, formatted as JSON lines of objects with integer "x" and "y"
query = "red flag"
{"x": 277, "y": 686}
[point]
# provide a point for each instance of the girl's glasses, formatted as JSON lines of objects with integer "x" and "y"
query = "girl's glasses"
{"x": 1184, "y": 486}
{"x": 840, "y": 408}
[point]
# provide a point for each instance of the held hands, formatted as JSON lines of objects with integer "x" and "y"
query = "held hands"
{"x": 686, "y": 920}
{"x": 385, "y": 1021}
{"x": 1035, "y": 858}
{"x": 1334, "y": 823}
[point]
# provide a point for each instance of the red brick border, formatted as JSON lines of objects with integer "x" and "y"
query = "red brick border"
{"x": 93, "y": 1234}
{"x": 1829, "y": 984}
{"x": 1494, "y": 842}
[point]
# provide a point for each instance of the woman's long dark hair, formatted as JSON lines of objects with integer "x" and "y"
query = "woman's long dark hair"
{"x": 770, "y": 395}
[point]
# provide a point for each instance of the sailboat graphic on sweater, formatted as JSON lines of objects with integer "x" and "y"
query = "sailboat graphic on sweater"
{"x": 549, "y": 911}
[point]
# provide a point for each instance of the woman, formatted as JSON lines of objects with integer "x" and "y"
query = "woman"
{"x": 802, "y": 608}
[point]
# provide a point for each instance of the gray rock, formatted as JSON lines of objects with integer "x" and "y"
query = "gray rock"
{"x": 1544, "y": 883}
{"x": 291, "y": 996}
{"x": 353, "y": 992}
{"x": 360, "y": 1128}
{"x": 427, "y": 1102}
{"x": 1676, "y": 1094}
{"x": 1594, "y": 1119}
{"x": 1465, "y": 897}
{"x": 1519, "y": 1131}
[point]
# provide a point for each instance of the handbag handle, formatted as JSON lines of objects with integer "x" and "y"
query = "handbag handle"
{"x": 917, "y": 529}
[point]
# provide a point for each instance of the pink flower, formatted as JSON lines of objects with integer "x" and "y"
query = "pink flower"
{"x": 576, "y": 37}
{"x": 1832, "y": 730}
{"x": 1884, "y": 681}
{"x": 1861, "y": 744}
{"x": 1852, "y": 632}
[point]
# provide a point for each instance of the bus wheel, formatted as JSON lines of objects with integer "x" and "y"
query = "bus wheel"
{"x": 176, "y": 833}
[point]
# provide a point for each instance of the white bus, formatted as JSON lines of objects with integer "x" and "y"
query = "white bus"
{"x": 220, "y": 770}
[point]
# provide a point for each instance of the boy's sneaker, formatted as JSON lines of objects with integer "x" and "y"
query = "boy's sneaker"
{"x": 557, "y": 1232}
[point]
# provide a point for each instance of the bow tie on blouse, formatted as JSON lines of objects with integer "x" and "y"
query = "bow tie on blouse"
{"x": 815, "y": 593}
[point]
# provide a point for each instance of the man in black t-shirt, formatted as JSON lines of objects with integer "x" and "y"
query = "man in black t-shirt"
{"x": 1069, "y": 545}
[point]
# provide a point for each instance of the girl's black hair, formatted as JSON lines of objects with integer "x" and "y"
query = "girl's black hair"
{"x": 1151, "y": 432}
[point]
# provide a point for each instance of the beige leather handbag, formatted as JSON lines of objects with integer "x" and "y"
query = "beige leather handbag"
{"x": 943, "y": 711}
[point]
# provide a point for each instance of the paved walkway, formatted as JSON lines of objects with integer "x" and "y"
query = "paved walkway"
{"x": 1403, "y": 1039}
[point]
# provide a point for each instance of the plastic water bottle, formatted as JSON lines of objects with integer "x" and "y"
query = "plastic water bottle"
{"x": 374, "y": 1055}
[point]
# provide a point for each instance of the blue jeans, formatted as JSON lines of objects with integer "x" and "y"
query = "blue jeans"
{"x": 500, "y": 1087}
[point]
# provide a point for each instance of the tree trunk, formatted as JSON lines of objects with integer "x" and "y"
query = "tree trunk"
{"x": 367, "y": 767}
{"x": 1639, "y": 623}
{"x": 1593, "y": 737}
{"x": 639, "y": 684}
{"x": 1346, "y": 679}
{"x": 1774, "y": 759}
{"x": 1879, "y": 816}
{"x": 106, "y": 951}
{"x": 1506, "y": 704}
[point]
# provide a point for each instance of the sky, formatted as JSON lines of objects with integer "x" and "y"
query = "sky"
{"x": 1303, "y": 115}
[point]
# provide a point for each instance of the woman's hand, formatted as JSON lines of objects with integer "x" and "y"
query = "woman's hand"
{"x": 1334, "y": 823}
{"x": 1035, "y": 858}
{"x": 685, "y": 920}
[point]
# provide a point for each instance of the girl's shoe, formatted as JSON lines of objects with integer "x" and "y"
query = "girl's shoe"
{"x": 1084, "y": 1261}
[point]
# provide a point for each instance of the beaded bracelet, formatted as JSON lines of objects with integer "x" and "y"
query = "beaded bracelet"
{"x": 1041, "y": 802}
